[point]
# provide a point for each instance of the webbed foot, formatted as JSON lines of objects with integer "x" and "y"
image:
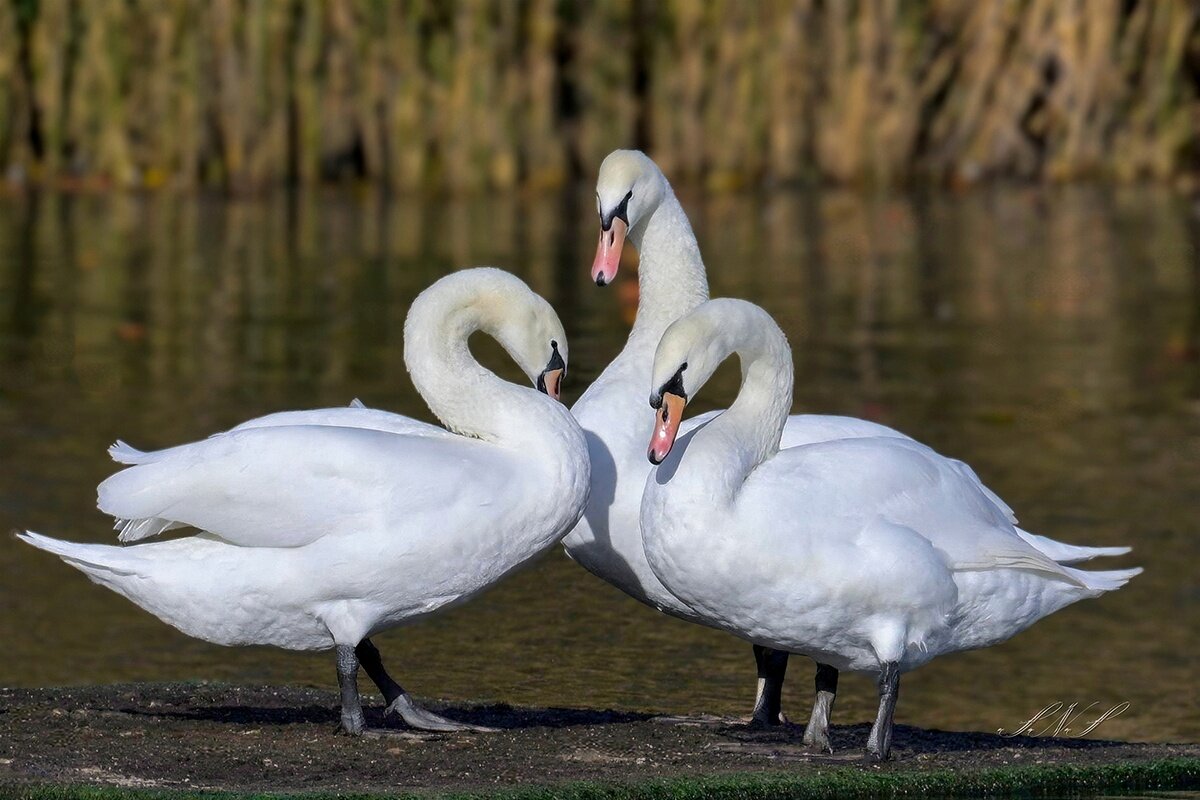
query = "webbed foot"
{"x": 425, "y": 720}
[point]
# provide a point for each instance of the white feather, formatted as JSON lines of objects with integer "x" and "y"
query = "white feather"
{"x": 855, "y": 551}
{"x": 323, "y": 527}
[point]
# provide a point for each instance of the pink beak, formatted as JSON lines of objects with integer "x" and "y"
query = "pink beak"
{"x": 553, "y": 383}
{"x": 608, "y": 253}
{"x": 666, "y": 428}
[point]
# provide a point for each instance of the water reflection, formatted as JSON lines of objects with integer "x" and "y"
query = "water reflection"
{"x": 1049, "y": 338}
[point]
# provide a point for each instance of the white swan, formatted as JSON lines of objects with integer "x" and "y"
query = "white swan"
{"x": 635, "y": 200}
{"x": 322, "y": 528}
{"x": 869, "y": 554}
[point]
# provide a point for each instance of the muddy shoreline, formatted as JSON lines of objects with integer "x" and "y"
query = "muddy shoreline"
{"x": 262, "y": 738}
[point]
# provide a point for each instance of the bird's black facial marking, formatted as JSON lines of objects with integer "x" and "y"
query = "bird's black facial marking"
{"x": 673, "y": 386}
{"x": 621, "y": 212}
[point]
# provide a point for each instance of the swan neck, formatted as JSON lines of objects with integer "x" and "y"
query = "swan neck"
{"x": 749, "y": 431}
{"x": 466, "y": 397}
{"x": 671, "y": 278}
{"x": 763, "y": 403}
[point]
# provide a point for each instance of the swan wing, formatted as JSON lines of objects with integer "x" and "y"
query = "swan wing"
{"x": 355, "y": 415}
{"x": 802, "y": 429}
{"x": 841, "y": 487}
{"x": 805, "y": 429}
{"x": 288, "y": 485}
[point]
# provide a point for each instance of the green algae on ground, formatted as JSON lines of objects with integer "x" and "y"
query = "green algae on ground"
{"x": 1161, "y": 775}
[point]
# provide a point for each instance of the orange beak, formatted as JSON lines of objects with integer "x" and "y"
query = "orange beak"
{"x": 552, "y": 383}
{"x": 608, "y": 252}
{"x": 670, "y": 414}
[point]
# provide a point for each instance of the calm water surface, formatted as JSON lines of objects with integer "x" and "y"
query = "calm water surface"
{"x": 1048, "y": 338}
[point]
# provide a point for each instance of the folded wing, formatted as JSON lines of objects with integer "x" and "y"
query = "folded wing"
{"x": 288, "y": 485}
{"x": 856, "y": 481}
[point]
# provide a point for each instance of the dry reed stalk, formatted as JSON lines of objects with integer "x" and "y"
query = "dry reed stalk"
{"x": 473, "y": 94}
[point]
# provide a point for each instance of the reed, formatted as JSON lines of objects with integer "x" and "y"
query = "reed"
{"x": 476, "y": 94}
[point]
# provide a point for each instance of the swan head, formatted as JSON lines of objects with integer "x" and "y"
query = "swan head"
{"x": 527, "y": 328}
{"x": 630, "y": 186}
{"x": 689, "y": 353}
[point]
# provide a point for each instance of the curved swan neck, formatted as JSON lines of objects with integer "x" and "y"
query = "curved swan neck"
{"x": 466, "y": 397}
{"x": 749, "y": 432}
{"x": 762, "y": 406}
{"x": 671, "y": 279}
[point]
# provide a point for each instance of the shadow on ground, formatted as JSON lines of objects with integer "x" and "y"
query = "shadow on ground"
{"x": 284, "y": 738}
{"x": 503, "y": 717}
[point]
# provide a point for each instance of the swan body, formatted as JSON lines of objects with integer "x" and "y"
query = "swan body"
{"x": 318, "y": 529}
{"x": 635, "y": 202}
{"x": 870, "y": 554}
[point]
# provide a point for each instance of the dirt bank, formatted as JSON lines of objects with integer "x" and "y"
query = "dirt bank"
{"x": 271, "y": 738}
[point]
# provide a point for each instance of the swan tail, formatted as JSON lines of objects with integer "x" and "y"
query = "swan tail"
{"x": 356, "y": 403}
{"x": 160, "y": 578}
{"x": 104, "y": 564}
{"x": 1092, "y": 583}
{"x": 1099, "y": 582}
{"x": 1068, "y": 553}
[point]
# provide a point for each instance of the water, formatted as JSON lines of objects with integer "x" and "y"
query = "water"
{"x": 1049, "y": 338}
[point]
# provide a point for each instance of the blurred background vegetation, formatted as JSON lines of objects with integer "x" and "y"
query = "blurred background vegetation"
{"x": 472, "y": 95}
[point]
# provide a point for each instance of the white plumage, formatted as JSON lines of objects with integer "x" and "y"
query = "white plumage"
{"x": 671, "y": 277}
{"x": 321, "y": 528}
{"x": 868, "y": 554}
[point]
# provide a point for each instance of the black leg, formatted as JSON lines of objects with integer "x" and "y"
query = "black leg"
{"x": 399, "y": 701}
{"x": 879, "y": 743}
{"x": 353, "y": 721}
{"x": 368, "y": 656}
{"x": 816, "y": 735}
{"x": 768, "y": 705}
